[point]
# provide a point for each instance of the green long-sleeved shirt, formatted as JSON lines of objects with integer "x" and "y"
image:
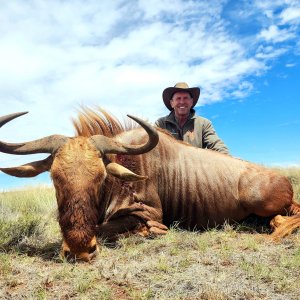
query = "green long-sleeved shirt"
{"x": 197, "y": 131}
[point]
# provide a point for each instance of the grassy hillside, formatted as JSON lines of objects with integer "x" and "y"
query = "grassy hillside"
{"x": 225, "y": 263}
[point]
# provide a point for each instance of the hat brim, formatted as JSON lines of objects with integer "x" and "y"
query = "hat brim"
{"x": 170, "y": 91}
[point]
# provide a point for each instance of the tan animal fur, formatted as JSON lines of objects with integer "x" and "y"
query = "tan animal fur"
{"x": 196, "y": 187}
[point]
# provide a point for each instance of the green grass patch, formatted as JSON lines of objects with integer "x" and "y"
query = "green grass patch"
{"x": 232, "y": 262}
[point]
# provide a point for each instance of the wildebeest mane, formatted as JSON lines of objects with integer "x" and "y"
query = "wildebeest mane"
{"x": 98, "y": 121}
{"x": 116, "y": 182}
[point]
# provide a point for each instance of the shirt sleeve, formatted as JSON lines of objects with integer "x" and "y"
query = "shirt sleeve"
{"x": 211, "y": 140}
{"x": 159, "y": 123}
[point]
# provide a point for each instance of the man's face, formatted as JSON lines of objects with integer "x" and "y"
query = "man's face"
{"x": 181, "y": 102}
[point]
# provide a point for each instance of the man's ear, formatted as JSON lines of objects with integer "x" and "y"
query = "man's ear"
{"x": 172, "y": 103}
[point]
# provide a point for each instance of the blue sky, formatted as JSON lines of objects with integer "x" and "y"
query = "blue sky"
{"x": 120, "y": 55}
{"x": 264, "y": 127}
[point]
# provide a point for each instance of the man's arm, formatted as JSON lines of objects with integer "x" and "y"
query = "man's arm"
{"x": 160, "y": 123}
{"x": 211, "y": 140}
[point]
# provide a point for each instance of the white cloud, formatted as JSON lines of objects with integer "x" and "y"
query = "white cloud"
{"x": 274, "y": 34}
{"x": 56, "y": 55}
{"x": 269, "y": 52}
{"x": 243, "y": 89}
{"x": 290, "y": 15}
{"x": 290, "y": 65}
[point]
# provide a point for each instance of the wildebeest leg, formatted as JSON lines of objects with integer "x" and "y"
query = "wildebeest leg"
{"x": 136, "y": 218}
{"x": 148, "y": 217}
{"x": 269, "y": 196}
{"x": 266, "y": 194}
{"x": 147, "y": 195}
{"x": 129, "y": 224}
{"x": 111, "y": 229}
{"x": 152, "y": 216}
{"x": 285, "y": 225}
{"x": 157, "y": 228}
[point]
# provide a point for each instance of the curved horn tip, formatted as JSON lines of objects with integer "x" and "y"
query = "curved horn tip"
{"x": 131, "y": 117}
{"x": 21, "y": 113}
{"x": 138, "y": 120}
{"x": 7, "y": 118}
{"x": 18, "y": 114}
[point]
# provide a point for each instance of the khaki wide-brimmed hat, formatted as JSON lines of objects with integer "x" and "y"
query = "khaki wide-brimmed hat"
{"x": 180, "y": 87}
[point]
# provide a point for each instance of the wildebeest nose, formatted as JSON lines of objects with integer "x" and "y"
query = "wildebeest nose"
{"x": 69, "y": 256}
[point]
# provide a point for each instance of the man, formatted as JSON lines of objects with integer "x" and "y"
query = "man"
{"x": 184, "y": 124}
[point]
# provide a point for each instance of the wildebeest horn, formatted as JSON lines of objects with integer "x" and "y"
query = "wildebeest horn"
{"x": 45, "y": 145}
{"x": 31, "y": 169}
{"x": 109, "y": 145}
{"x": 7, "y": 118}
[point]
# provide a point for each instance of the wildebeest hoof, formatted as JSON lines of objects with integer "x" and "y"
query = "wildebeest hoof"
{"x": 277, "y": 221}
{"x": 157, "y": 228}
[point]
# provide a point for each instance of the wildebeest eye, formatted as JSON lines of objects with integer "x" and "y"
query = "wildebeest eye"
{"x": 92, "y": 249}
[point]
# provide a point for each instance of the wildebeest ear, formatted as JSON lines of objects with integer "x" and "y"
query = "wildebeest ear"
{"x": 31, "y": 169}
{"x": 123, "y": 173}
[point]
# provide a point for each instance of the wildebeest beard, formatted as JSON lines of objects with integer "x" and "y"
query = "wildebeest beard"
{"x": 78, "y": 167}
{"x": 78, "y": 218}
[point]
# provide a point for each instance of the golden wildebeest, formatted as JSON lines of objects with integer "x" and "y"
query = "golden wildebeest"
{"x": 99, "y": 191}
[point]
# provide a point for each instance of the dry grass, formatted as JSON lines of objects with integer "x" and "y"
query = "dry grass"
{"x": 228, "y": 263}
